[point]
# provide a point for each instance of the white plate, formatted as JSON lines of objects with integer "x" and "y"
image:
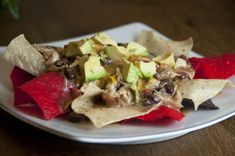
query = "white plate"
{"x": 119, "y": 134}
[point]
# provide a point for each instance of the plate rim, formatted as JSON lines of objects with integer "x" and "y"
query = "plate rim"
{"x": 119, "y": 139}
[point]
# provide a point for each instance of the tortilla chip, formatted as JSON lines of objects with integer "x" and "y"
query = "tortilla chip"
{"x": 104, "y": 116}
{"x": 20, "y": 53}
{"x": 201, "y": 90}
{"x": 85, "y": 102}
{"x": 157, "y": 44}
{"x": 101, "y": 115}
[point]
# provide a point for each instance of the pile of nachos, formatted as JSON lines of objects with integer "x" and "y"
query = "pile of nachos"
{"x": 106, "y": 82}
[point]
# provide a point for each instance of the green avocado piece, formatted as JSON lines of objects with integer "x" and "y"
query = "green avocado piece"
{"x": 137, "y": 49}
{"x": 104, "y": 39}
{"x": 91, "y": 68}
{"x": 136, "y": 93}
{"x": 148, "y": 69}
{"x": 116, "y": 52}
{"x": 82, "y": 47}
{"x": 130, "y": 72}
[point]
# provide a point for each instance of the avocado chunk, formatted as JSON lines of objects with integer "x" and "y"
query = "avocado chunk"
{"x": 148, "y": 69}
{"x": 166, "y": 58}
{"x": 82, "y": 47}
{"x": 104, "y": 39}
{"x": 136, "y": 93}
{"x": 130, "y": 72}
{"x": 116, "y": 53}
{"x": 137, "y": 49}
{"x": 91, "y": 68}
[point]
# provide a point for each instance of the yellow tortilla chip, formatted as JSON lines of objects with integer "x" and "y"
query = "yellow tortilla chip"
{"x": 157, "y": 44}
{"x": 201, "y": 90}
{"x": 101, "y": 115}
{"x": 20, "y": 53}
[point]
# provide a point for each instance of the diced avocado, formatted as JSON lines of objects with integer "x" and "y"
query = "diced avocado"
{"x": 137, "y": 49}
{"x": 130, "y": 72}
{"x": 116, "y": 52}
{"x": 148, "y": 69}
{"x": 80, "y": 48}
{"x": 151, "y": 83}
{"x": 136, "y": 93}
{"x": 104, "y": 39}
{"x": 166, "y": 58}
{"x": 91, "y": 68}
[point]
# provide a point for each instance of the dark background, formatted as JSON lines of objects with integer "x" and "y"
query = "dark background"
{"x": 211, "y": 23}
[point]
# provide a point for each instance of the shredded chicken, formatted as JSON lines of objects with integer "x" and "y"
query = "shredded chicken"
{"x": 186, "y": 72}
{"x": 46, "y": 51}
{"x": 164, "y": 72}
{"x": 121, "y": 97}
{"x": 52, "y": 58}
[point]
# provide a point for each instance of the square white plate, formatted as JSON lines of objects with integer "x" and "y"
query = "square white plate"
{"x": 116, "y": 133}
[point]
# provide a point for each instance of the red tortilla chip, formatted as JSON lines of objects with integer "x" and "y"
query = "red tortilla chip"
{"x": 18, "y": 78}
{"x": 162, "y": 112}
{"x": 218, "y": 67}
{"x": 46, "y": 90}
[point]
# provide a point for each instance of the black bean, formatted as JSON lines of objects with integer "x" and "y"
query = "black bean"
{"x": 119, "y": 85}
{"x": 156, "y": 76}
{"x": 170, "y": 88}
{"x": 61, "y": 62}
{"x": 69, "y": 73}
{"x": 108, "y": 60}
{"x": 73, "y": 117}
{"x": 71, "y": 59}
{"x": 150, "y": 99}
{"x": 187, "y": 103}
{"x": 123, "y": 44}
{"x": 158, "y": 89}
{"x": 183, "y": 57}
{"x": 155, "y": 98}
{"x": 147, "y": 102}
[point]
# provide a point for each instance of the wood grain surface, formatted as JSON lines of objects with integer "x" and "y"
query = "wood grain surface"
{"x": 210, "y": 22}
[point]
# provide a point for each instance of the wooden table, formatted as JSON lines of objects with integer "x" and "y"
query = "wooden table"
{"x": 210, "y": 22}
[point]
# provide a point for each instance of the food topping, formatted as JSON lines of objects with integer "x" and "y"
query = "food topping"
{"x": 148, "y": 69}
{"x": 69, "y": 73}
{"x": 150, "y": 98}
